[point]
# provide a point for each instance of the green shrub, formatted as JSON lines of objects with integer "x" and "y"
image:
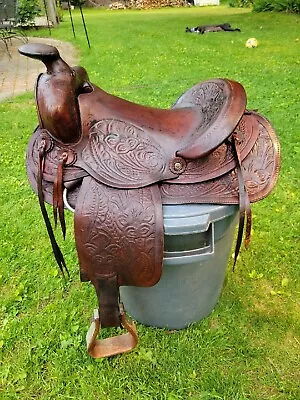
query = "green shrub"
{"x": 27, "y": 11}
{"x": 263, "y": 5}
{"x": 241, "y": 3}
{"x": 292, "y": 6}
{"x": 77, "y": 2}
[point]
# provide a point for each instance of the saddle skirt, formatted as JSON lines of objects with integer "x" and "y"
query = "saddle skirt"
{"x": 115, "y": 163}
{"x": 210, "y": 179}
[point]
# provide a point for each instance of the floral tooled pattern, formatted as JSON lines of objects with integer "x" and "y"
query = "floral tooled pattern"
{"x": 219, "y": 190}
{"x": 121, "y": 232}
{"x": 52, "y": 156}
{"x": 120, "y": 152}
{"x": 222, "y": 159}
{"x": 259, "y": 168}
{"x": 210, "y": 96}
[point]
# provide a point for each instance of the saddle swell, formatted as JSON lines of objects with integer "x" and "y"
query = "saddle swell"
{"x": 120, "y": 162}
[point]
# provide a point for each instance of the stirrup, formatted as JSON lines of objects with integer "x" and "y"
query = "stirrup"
{"x": 114, "y": 345}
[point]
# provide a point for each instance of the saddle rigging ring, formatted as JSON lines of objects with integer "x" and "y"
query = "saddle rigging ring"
{"x": 66, "y": 203}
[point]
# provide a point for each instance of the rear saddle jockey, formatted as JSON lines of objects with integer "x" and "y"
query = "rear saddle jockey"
{"x": 115, "y": 163}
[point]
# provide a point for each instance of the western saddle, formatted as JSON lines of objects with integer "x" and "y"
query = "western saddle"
{"x": 115, "y": 163}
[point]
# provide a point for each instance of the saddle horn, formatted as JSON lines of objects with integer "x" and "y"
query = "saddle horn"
{"x": 57, "y": 92}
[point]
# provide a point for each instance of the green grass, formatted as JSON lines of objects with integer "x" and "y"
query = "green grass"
{"x": 248, "y": 348}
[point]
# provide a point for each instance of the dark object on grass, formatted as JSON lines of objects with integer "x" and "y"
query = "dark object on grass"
{"x": 212, "y": 28}
{"x": 114, "y": 163}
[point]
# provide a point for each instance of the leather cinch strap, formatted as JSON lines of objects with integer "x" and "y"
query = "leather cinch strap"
{"x": 113, "y": 345}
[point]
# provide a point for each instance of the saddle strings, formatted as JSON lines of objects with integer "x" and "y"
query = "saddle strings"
{"x": 244, "y": 203}
{"x": 56, "y": 250}
{"x": 58, "y": 204}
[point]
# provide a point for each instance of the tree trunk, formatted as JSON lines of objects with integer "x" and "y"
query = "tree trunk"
{"x": 52, "y": 11}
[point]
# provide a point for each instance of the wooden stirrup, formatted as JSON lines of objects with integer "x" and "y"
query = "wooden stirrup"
{"x": 114, "y": 345}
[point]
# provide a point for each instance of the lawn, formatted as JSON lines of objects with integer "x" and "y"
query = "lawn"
{"x": 248, "y": 348}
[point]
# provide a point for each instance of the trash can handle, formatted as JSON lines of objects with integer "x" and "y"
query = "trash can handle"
{"x": 194, "y": 255}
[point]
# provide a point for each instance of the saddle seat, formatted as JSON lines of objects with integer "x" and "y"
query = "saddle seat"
{"x": 199, "y": 121}
{"x": 160, "y": 141}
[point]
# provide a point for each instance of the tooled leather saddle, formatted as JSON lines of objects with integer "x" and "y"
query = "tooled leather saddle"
{"x": 115, "y": 163}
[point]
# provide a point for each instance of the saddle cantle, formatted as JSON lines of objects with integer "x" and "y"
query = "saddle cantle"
{"x": 114, "y": 163}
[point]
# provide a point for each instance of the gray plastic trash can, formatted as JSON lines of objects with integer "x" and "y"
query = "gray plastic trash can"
{"x": 198, "y": 240}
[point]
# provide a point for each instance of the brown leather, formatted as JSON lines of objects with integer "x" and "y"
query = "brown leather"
{"x": 260, "y": 169}
{"x": 210, "y": 179}
{"x": 117, "y": 162}
{"x": 58, "y": 114}
{"x": 191, "y": 128}
{"x": 119, "y": 234}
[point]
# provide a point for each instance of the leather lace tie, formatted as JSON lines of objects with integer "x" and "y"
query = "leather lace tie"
{"x": 244, "y": 203}
{"x": 56, "y": 250}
